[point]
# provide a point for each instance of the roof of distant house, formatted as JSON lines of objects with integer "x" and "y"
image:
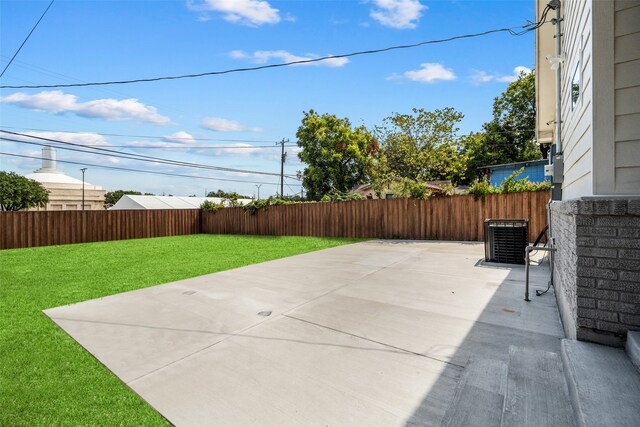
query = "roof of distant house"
{"x": 521, "y": 164}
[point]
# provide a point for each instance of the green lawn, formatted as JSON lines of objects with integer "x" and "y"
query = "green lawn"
{"x": 48, "y": 379}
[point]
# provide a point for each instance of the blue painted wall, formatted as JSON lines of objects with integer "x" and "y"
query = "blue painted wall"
{"x": 533, "y": 170}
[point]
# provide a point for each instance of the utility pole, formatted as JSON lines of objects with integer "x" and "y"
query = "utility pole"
{"x": 283, "y": 158}
{"x": 83, "y": 171}
{"x": 258, "y": 186}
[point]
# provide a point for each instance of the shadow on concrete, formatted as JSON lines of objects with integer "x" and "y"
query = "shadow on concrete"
{"x": 502, "y": 323}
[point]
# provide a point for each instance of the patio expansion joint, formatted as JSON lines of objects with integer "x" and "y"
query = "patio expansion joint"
{"x": 374, "y": 341}
{"x": 173, "y": 362}
{"x": 349, "y": 283}
{"x": 242, "y": 331}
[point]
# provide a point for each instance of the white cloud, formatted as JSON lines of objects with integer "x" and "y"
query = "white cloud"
{"x": 428, "y": 73}
{"x": 218, "y": 124}
{"x": 83, "y": 138}
{"x": 250, "y": 150}
{"x": 58, "y": 102}
{"x": 180, "y": 137}
{"x": 519, "y": 70}
{"x": 400, "y": 14}
{"x": 239, "y": 149}
{"x": 479, "y": 76}
{"x": 264, "y": 56}
{"x": 247, "y": 12}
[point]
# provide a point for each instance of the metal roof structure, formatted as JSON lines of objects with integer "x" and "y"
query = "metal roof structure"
{"x": 134, "y": 202}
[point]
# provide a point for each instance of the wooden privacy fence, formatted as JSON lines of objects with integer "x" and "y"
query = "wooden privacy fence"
{"x": 445, "y": 218}
{"x": 44, "y": 228}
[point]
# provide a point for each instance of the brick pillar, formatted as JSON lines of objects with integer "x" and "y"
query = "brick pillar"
{"x": 597, "y": 267}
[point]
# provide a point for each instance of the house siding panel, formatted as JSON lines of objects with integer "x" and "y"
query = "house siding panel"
{"x": 628, "y": 180}
{"x": 628, "y": 100}
{"x": 627, "y": 105}
{"x": 627, "y": 74}
{"x": 577, "y": 134}
{"x": 627, "y": 47}
{"x": 627, "y": 20}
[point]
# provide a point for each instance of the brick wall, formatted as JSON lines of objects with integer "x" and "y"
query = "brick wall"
{"x": 597, "y": 267}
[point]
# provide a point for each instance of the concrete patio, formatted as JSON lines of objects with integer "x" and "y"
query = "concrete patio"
{"x": 375, "y": 333}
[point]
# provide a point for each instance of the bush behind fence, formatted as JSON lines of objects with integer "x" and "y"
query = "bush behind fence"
{"x": 446, "y": 218}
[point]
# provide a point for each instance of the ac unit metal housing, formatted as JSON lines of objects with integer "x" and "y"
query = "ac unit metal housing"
{"x": 505, "y": 240}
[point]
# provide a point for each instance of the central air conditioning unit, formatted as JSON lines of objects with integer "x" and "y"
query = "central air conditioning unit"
{"x": 505, "y": 240}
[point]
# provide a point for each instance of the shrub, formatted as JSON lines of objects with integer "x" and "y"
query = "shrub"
{"x": 209, "y": 206}
{"x": 414, "y": 190}
{"x": 255, "y": 205}
{"x": 513, "y": 185}
{"x": 481, "y": 188}
{"x": 337, "y": 196}
{"x": 509, "y": 185}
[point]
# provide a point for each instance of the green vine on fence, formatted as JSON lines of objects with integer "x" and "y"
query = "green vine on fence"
{"x": 405, "y": 190}
{"x": 509, "y": 185}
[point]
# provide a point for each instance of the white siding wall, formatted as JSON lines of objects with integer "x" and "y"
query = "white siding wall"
{"x": 601, "y": 134}
{"x": 577, "y": 133}
{"x": 627, "y": 97}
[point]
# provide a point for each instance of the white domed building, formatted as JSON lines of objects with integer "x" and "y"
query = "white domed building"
{"x": 65, "y": 192}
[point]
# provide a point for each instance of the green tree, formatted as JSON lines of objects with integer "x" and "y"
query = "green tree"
{"x": 226, "y": 195}
{"x": 510, "y": 136}
{"x": 112, "y": 197}
{"x": 338, "y": 156}
{"x": 421, "y": 146}
{"x": 18, "y": 192}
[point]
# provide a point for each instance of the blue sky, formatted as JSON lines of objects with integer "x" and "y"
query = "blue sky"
{"x": 116, "y": 40}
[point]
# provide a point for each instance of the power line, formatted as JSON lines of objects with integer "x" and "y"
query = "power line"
{"x": 287, "y": 184}
{"x": 27, "y": 38}
{"x": 514, "y": 31}
{"x": 138, "y": 157}
{"x": 171, "y": 163}
{"x": 153, "y": 136}
{"x": 186, "y": 147}
{"x": 141, "y": 170}
{"x": 191, "y": 147}
{"x": 142, "y": 157}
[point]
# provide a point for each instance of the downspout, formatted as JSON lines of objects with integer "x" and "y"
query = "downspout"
{"x": 557, "y": 36}
{"x": 556, "y": 152}
{"x": 556, "y": 155}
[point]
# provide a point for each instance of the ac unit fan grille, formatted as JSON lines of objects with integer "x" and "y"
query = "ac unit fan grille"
{"x": 506, "y": 240}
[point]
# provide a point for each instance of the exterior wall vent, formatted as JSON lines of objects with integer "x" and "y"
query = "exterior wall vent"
{"x": 505, "y": 240}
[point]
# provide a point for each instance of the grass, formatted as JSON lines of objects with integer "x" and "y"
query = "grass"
{"x": 46, "y": 378}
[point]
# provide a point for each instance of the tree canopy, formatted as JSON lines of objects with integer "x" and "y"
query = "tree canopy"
{"x": 18, "y": 192}
{"x": 510, "y": 136}
{"x": 417, "y": 147}
{"x": 421, "y": 146}
{"x": 337, "y": 154}
{"x": 226, "y": 194}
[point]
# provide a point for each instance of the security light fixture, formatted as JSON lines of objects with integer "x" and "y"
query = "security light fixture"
{"x": 555, "y": 61}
